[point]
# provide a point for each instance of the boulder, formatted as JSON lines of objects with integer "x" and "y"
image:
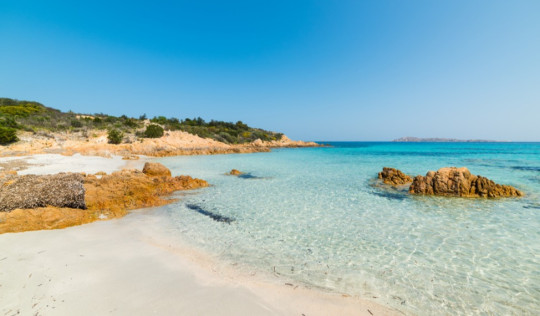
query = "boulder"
{"x": 452, "y": 181}
{"x": 235, "y": 172}
{"x": 394, "y": 176}
{"x": 32, "y": 191}
{"x": 258, "y": 142}
{"x": 155, "y": 169}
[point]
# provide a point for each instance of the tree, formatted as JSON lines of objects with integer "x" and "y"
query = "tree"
{"x": 115, "y": 136}
{"x": 153, "y": 131}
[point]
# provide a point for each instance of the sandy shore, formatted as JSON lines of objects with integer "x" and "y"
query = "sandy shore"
{"x": 130, "y": 267}
{"x": 55, "y": 163}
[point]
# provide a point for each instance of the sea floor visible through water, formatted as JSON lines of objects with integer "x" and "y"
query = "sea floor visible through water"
{"x": 313, "y": 217}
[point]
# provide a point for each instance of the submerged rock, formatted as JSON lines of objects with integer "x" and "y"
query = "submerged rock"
{"x": 394, "y": 176}
{"x": 452, "y": 181}
{"x": 32, "y": 191}
{"x": 156, "y": 169}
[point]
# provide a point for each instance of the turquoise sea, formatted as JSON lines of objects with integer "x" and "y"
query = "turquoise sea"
{"x": 313, "y": 217}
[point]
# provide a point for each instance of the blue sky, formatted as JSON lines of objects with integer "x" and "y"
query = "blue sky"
{"x": 315, "y": 70}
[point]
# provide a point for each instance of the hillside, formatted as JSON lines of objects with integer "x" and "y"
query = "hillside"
{"x": 30, "y": 116}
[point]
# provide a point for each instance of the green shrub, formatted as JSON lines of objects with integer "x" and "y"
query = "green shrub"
{"x": 7, "y": 135}
{"x": 153, "y": 131}
{"x": 159, "y": 119}
{"x": 115, "y": 136}
{"x": 9, "y": 122}
{"x": 21, "y": 109}
{"x": 76, "y": 123}
{"x": 110, "y": 119}
{"x": 131, "y": 123}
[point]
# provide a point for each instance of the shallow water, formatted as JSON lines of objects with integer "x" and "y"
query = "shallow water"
{"x": 312, "y": 216}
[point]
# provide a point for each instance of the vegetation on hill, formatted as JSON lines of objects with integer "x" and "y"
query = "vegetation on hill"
{"x": 115, "y": 136}
{"x": 153, "y": 131}
{"x": 35, "y": 117}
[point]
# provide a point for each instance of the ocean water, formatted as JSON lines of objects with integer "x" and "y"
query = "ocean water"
{"x": 313, "y": 217}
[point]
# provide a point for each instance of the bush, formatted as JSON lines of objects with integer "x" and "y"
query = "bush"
{"x": 131, "y": 123}
{"x": 7, "y": 135}
{"x": 76, "y": 123}
{"x": 9, "y": 122}
{"x": 115, "y": 136}
{"x": 153, "y": 131}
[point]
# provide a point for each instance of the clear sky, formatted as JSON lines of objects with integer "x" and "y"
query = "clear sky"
{"x": 315, "y": 70}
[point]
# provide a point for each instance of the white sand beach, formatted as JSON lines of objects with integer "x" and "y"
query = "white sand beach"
{"x": 130, "y": 266}
{"x": 54, "y": 163}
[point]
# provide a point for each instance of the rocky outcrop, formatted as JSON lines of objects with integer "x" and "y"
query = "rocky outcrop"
{"x": 155, "y": 169}
{"x": 114, "y": 194}
{"x": 452, "y": 181}
{"x": 173, "y": 143}
{"x": 394, "y": 176}
{"x": 235, "y": 172}
{"x": 32, "y": 191}
{"x": 105, "y": 196}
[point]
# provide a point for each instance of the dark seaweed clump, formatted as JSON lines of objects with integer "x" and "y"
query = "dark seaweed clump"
{"x": 247, "y": 176}
{"x": 214, "y": 216}
{"x": 390, "y": 195}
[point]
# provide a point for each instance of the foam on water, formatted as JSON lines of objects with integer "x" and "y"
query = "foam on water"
{"x": 312, "y": 216}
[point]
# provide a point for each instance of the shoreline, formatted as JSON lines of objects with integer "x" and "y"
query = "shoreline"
{"x": 130, "y": 265}
{"x": 48, "y": 271}
{"x": 173, "y": 143}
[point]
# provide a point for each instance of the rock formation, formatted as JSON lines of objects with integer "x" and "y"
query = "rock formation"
{"x": 173, "y": 143}
{"x": 452, "y": 181}
{"x": 156, "y": 169}
{"x": 105, "y": 196}
{"x": 394, "y": 176}
{"x": 235, "y": 172}
{"x": 114, "y": 194}
{"x": 31, "y": 191}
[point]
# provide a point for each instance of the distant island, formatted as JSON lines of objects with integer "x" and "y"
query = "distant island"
{"x": 442, "y": 140}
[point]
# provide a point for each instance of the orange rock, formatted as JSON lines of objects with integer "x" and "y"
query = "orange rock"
{"x": 235, "y": 172}
{"x": 452, "y": 181}
{"x": 107, "y": 197}
{"x": 394, "y": 176}
{"x": 156, "y": 169}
